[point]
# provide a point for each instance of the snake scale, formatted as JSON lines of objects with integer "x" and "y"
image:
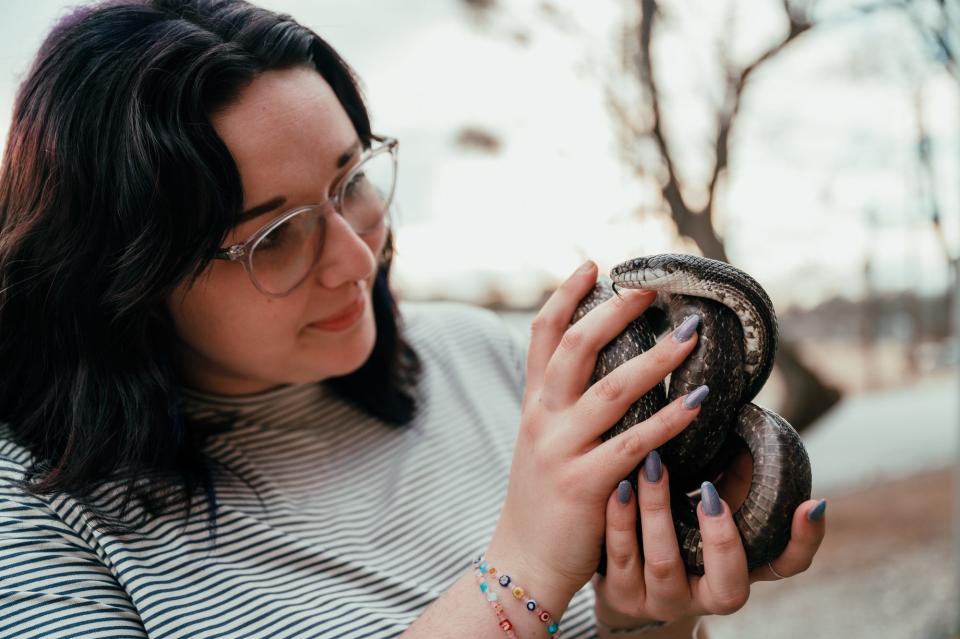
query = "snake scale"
{"x": 734, "y": 357}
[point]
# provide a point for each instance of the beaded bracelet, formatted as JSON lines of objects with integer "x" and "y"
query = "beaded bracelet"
{"x": 505, "y": 623}
{"x": 553, "y": 628}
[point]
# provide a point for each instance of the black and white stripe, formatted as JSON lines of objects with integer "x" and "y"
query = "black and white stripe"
{"x": 361, "y": 525}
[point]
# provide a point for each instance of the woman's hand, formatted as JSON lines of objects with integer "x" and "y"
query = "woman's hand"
{"x": 805, "y": 533}
{"x": 552, "y": 523}
{"x": 658, "y": 587}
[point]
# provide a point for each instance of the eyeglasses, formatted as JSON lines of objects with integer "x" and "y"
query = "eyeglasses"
{"x": 279, "y": 256}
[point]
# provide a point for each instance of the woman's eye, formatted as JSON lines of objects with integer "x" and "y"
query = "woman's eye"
{"x": 274, "y": 239}
{"x": 354, "y": 185}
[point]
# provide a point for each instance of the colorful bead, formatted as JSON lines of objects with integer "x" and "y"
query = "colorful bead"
{"x": 483, "y": 567}
{"x": 505, "y": 624}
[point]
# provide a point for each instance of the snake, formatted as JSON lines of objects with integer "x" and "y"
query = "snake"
{"x": 734, "y": 355}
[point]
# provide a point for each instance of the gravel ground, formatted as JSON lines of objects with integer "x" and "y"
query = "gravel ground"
{"x": 887, "y": 569}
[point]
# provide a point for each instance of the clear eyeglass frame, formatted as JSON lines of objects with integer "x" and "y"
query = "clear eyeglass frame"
{"x": 243, "y": 251}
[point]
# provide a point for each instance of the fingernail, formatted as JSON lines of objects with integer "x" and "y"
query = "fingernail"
{"x": 710, "y": 499}
{"x": 686, "y": 328}
{"x": 652, "y": 467}
{"x": 586, "y": 266}
{"x": 816, "y": 513}
{"x": 623, "y": 491}
{"x": 696, "y": 396}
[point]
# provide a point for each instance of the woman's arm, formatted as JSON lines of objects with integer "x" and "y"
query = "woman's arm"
{"x": 463, "y": 611}
{"x": 51, "y": 583}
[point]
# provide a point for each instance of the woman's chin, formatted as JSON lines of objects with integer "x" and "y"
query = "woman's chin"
{"x": 344, "y": 352}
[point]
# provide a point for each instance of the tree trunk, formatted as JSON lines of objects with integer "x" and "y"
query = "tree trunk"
{"x": 808, "y": 397}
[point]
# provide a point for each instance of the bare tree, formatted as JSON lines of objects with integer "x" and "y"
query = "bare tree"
{"x": 640, "y": 119}
{"x": 808, "y": 397}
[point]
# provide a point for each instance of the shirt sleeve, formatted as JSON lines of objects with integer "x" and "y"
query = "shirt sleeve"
{"x": 52, "y": 584}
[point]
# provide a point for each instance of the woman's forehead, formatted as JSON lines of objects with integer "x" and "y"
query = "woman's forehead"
{"x": 286, "y": 122}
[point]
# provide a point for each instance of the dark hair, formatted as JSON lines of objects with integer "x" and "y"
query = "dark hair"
{"x": 110, "y": 147}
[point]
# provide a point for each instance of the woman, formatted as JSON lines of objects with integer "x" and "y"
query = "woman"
{"x": 217, "y": 421}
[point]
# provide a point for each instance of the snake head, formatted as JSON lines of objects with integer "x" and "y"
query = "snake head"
{"x": 647, "y": 271}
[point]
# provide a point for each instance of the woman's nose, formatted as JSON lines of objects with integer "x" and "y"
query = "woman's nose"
{"x": 344, "y": 256}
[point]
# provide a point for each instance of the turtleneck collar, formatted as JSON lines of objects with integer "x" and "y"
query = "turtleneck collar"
{"x": 272, "y": 407}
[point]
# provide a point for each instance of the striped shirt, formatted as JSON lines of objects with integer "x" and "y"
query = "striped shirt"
{"x": 333, "y": 524}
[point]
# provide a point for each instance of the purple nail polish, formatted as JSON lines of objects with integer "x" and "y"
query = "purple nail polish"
{"x": 696, "y": 396}
{"x": 623, "y": 491}
{"x": 652, "y": 467}
{"x": 686, "y": 328}
{"x": 816, "y": 513}
{"x": 710, "y": 499}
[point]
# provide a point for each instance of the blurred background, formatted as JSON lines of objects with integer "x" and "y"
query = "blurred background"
{"x": 815, "y": 145}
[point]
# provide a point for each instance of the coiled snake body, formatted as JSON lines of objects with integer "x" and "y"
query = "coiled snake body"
{"x": 734, "y": 357}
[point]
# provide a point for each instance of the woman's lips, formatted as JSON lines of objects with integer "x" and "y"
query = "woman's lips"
{"x": 343, "y": 320}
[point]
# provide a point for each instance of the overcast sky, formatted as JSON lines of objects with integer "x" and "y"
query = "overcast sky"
{"x": 826, "y": 138}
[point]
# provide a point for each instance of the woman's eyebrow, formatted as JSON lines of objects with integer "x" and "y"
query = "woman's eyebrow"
{"x": 347, "y": 155}
{"x": 279, "y": 200}
{"x": 260, "y": 209}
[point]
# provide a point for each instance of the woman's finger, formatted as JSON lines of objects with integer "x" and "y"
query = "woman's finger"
{"x": 572, "y": 364}
{"x": 623, "y": 582}
{"x": 552, "y": 321}
{"x": 619, "y": 455}
{"x": 608, "y": 399}
{"x": 664, "y": 574}
{"x": 725, "y": 586}
{"x": 806, "y": 533}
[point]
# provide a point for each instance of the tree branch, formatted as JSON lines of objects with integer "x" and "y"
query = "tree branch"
{"x": 798, "y": 26}
{"x": 671, "y": 188}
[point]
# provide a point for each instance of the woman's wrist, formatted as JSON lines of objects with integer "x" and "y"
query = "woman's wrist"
{"x": 612, "y": 621}
{"x": 623, "y": 632}
{"x": 614, "y": 625}
{"x": 549, "y": 589}
{"x": 684, "y": 628}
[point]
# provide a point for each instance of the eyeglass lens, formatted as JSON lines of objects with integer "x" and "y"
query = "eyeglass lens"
{"x": 284, "y": 256}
